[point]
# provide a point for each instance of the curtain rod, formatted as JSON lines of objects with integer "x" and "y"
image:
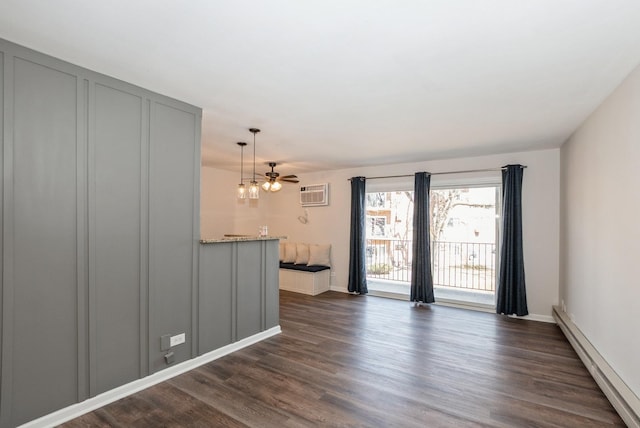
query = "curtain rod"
{"x": 440, "y": 173}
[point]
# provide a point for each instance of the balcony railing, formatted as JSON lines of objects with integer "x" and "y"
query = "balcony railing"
{"x": 467, "y": 265}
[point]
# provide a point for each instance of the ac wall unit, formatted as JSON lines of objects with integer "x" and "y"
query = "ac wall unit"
{"x": 314, "y": 195}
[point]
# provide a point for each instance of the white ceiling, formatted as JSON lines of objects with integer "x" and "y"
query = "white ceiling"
{"x": 336, "y": 84}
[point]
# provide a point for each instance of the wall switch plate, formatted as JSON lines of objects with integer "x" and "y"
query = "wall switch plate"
{"x": 178, "y": 339}
{"x": 165, "y": 342}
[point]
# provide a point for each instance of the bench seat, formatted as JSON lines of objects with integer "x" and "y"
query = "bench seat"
{"x": 304, "y": 279}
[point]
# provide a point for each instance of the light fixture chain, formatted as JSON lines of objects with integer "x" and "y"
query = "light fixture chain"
{"x": 241, "y": 191}
{"x": 254, "y": 190}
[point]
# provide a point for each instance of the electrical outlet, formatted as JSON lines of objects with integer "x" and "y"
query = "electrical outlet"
{"x": 177, "y": 339}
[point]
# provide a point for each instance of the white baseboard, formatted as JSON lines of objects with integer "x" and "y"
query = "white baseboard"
{"x": 619, "y": 394}
{"x": 451, "y": 303}
{"x": 389, "y": 295}
{"x": 63, "y": 415}
{"x": 463, "y": 305}
{"x": 536, "y": 317}
{"x": 492, "y": 310}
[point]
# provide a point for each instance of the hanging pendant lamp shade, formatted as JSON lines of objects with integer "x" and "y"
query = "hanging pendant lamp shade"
{"x": 254, "y": 189}
{"x": 242, "y": 191}
{"x": 271, "y": 186}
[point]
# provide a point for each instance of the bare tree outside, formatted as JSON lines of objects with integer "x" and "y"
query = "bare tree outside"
{"x": 441, "y": 202}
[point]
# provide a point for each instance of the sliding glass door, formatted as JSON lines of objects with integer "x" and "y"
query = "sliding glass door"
{"x": 464, "y": 236}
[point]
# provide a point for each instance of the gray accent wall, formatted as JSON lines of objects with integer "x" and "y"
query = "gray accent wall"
{"x": 238, "y": 291}
{"x": 43, "y": 340}
{"x": 217, "y": 296}
{"x": 100, "y": 232}
{"x": 171, "y": 222}
{"x": 271, "y": 280}
{"x": 115, "y": 200}
{"x": 2, "y": 157}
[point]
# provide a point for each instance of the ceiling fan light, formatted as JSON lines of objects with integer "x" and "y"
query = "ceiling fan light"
{"x": 275, "y": 186}
{"x": 266, "y": 186}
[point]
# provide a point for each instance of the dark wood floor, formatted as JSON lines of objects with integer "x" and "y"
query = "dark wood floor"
{"x": 345, "y": 360}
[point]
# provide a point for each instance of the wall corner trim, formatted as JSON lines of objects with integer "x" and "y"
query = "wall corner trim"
{"x": 63, "y": 415}
{"x": 623, "y": 399}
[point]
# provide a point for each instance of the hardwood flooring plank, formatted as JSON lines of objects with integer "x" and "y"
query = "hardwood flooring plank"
{"x": 202, "y": 385}
{"x": 361, "y": 361}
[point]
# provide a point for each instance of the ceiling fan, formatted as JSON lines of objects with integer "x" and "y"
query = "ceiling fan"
{"x": 273, "y": 180}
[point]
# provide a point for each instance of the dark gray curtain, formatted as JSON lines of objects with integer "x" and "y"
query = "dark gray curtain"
{"x": 421, "y": 279}
{"x": 512, "y": 296}
{"x": 357, "y": 245}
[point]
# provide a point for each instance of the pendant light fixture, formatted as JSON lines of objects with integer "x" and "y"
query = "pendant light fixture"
{"x": 254, "y": 189}
{"x": 242, "y": 190}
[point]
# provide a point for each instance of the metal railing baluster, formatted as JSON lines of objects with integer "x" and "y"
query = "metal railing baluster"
{"x": 462, "y": 265}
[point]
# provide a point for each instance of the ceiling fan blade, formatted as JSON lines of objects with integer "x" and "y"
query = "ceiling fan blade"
{"x": 289, "y": 180}
{"x": 289, "y": 176}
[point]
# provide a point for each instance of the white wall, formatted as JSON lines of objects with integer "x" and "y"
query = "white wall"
{"x": 601, "y": 229}
{"x": 252, "y": 213}
{"x": 222, "y": 212}
{"x": 217, "y": 202}
{"x": 331, "y": 224}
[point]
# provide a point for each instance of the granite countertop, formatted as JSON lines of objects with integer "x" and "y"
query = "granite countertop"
{"x": 240, "y": 238}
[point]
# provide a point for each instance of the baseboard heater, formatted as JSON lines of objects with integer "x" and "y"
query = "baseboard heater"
{"x": 623, "y": 399}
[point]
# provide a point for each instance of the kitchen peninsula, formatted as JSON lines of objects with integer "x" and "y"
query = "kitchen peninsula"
{"x": 238, "y": 293}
